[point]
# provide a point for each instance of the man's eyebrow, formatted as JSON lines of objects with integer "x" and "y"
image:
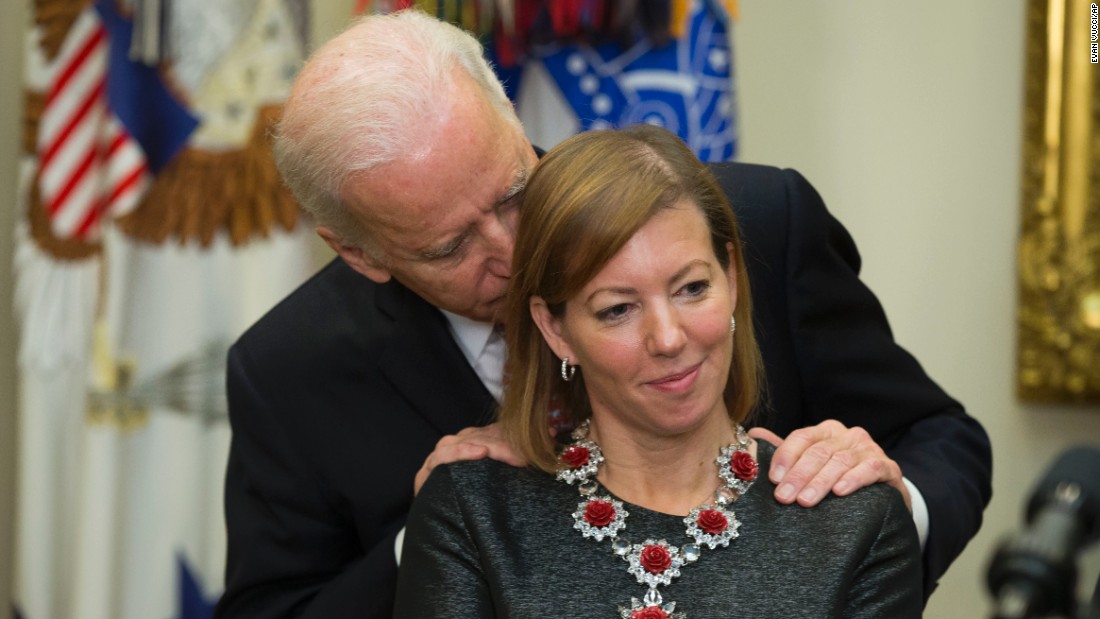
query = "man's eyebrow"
{"x": 442, "y": 251}
{"x": 518, "y": 183}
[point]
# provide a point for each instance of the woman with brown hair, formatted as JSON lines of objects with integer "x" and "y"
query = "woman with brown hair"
{"x": 629, "y": 314}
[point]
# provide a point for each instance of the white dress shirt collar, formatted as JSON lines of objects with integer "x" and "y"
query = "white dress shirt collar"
{"x": 483, "y": 348}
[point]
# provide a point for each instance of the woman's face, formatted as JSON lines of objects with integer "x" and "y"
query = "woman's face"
{"x": 651, "y": 332}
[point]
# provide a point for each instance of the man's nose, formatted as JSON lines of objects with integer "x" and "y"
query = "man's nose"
{"x": 500, "y": 242}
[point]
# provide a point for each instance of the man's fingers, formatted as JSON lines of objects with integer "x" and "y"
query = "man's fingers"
{"x": 816, "y": 487}
{"x": 457, "y": 452}
{"x": 811, "y": 460}
{"x": 828, "y": 457}
{"x": 489, "y": 432}
{"x": 807, "y": 465}
{"x": 793, "y": 453}
{"x": 786, "y": 452}
{"x": 764, "y": 434}
{"x": 865, "y": 474}
{"x": 446, "y": 453}
{"x": 870, "y": 471}
{"x": 491, "y": 438}
{"x": 502, "y": 452}
{"x": 468, "y": 444}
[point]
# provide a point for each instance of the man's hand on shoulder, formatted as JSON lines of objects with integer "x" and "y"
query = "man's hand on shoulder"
{"x": 468, "y": 444}
{"x": 813, "y": 461}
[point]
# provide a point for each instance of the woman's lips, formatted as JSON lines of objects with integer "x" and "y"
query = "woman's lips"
{"x": 677, "y": 383}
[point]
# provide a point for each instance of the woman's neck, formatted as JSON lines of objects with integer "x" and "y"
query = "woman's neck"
{"x": 667, "y": 474}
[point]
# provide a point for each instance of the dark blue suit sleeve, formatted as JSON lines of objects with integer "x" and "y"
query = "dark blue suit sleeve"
{"x": 291, "y": 551}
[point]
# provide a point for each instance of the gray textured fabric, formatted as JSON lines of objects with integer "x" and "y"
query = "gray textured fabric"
{"x": 488, "y": 540}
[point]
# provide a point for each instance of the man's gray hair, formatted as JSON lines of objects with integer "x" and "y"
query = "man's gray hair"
{"x": 359, "y": 99}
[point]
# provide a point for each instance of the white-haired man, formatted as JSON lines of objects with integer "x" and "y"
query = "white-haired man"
{"x": 400, "y": 142}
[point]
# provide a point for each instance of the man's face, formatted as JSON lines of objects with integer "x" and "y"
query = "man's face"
{"x": 443, "y": 218}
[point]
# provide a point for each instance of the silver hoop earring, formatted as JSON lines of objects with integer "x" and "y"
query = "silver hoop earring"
{"x": 733, "y": 324}
{"x": 567, "y": 371}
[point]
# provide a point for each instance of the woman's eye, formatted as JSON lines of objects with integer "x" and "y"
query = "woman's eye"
{"x": 614, "y": 312}
{"x": 695, "y": 289}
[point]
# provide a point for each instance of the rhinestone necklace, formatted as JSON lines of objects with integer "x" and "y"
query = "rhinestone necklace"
{"x": 656, "y": 562}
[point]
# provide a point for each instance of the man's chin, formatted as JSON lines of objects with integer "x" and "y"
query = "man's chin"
{"x": 492, "y": 312}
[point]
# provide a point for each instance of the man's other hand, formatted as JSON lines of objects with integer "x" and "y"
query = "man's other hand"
{"x": 813, "y": 461}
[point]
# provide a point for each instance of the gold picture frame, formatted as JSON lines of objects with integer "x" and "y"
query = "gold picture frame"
{"x": 1058, "y": 320}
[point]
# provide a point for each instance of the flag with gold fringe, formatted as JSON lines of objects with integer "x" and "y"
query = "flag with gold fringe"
{"x": 153, "y": 230}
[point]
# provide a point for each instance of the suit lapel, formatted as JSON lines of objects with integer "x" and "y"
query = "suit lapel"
{"x": 424, "y": 364}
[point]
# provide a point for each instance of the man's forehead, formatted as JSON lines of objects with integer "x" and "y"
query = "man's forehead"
{"x": 405, "y": 209}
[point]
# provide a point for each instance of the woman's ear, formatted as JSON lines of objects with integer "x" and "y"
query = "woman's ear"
{"x": 551, "y": 327}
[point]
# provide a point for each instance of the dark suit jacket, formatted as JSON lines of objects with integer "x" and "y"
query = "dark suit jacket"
{"x": 339, "y": 393}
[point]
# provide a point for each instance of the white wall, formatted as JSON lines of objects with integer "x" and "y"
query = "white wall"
{"x": 907, "y": 119}
{"x": 11, "y": 101}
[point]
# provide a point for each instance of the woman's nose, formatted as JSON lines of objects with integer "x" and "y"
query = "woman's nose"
{"x": 665, "y": 335}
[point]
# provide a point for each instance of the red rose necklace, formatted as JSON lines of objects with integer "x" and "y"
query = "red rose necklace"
{"x": 656, "y": 562}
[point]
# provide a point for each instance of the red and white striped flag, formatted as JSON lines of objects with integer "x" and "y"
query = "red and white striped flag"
{"x": 90, "y": 166}
{"x": 122, "y": 436}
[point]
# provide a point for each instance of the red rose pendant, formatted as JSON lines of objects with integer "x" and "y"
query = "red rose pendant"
{"x": 712, "y": 521}
{"x": 744, "y": 466}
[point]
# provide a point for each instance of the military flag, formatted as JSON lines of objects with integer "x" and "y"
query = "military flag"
{"x": 154, "y": 230}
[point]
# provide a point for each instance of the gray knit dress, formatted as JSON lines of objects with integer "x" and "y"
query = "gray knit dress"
{"x": 485, "y": 539}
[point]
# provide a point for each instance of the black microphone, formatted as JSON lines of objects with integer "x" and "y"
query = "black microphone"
{"x": 1034, "y": 573}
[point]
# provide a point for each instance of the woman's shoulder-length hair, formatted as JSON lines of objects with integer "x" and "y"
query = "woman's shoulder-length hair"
{"x": 585, "y": 200}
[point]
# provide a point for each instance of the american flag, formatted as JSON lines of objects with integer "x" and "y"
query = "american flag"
{"x": 108, "y": 124}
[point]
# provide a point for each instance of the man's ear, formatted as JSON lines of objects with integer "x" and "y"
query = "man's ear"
{"x": 355, "y": 257}
{"x": 551, "y": 328}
